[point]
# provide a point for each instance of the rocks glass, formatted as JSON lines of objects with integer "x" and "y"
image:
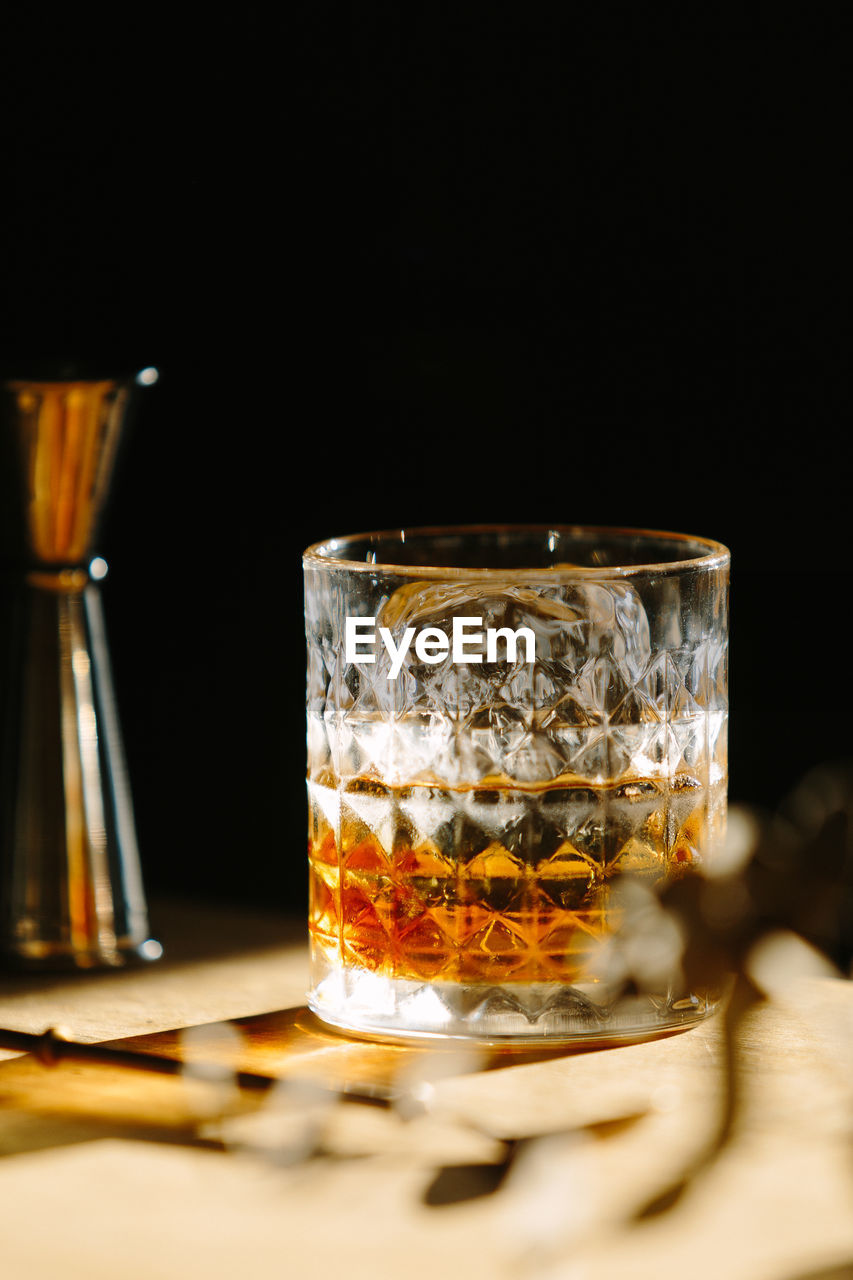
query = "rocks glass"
{"x": 507, "y": 728}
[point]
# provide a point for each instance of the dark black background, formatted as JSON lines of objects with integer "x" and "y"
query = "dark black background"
{"x": 418, "y": 264}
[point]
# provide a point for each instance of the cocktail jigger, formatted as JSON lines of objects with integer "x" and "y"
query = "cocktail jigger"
{"x": 71, "y": 892}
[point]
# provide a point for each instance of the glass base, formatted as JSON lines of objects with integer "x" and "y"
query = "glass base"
{"x": 374, "y": 1005}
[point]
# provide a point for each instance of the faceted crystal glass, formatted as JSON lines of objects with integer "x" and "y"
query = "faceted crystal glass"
{"x": 508, "y": 727}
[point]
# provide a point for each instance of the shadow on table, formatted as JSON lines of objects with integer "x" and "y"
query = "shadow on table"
{"x": 191, "y": 933}
{"x": 78, "y": 1101}
{"x": 293, "y": 1044}
{"x": 844, "y": 1271}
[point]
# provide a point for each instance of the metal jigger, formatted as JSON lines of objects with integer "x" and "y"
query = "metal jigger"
{"x": 71, "y": 891}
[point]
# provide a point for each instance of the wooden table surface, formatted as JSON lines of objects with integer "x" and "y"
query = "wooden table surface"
{"x": 483, "y": 1166}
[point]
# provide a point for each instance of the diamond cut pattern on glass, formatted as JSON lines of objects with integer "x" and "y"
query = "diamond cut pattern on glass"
{"x": 467, "y": 825}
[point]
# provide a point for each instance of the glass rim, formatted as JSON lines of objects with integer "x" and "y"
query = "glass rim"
{"x": 322, "y": 554}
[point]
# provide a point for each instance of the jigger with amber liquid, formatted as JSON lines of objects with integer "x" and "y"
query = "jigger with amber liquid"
{"x": 71, "y": 892}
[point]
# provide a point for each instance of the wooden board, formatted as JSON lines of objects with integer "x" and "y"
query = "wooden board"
{"x": 485, "y": 1165}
